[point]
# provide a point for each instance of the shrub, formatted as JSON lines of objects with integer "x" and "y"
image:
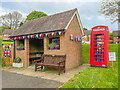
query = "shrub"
{"x": 3, "y": 63}
{"x": 17, "y": 60}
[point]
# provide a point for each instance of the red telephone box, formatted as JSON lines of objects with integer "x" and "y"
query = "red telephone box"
{"x": 99, "y": 46}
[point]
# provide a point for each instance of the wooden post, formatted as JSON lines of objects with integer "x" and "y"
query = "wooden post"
{"x": 112, "y": 65}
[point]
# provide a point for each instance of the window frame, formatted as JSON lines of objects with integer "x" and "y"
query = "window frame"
{"x": 18, "y": 44}
{"x": 51, "y": 42}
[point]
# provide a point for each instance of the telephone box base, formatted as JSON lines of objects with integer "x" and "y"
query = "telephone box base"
{"x": 98, "y": 66}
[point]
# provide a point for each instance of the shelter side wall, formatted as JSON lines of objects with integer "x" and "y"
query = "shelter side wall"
{"x": 73, "y": 48}
{"x": 56, "y": 52}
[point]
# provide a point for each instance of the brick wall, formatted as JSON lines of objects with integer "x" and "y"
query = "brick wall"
{"x": 115, "y": 39}
{"x": 56, "y": 52}
{"x": 23, "y": 54}
{"x": 5, "y": 37}
{"x": 73, "y": 48}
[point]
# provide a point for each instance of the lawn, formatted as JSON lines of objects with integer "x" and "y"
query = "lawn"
{"x": 7, "y": 42}
{"x": 95, "y": 77}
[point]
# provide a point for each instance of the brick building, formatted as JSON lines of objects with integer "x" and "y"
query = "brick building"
{"x": 57, "y": 34}
{"x": 87, "y": 34}
{"x": 6, "y": 34}
{"x": 116, "y": 37}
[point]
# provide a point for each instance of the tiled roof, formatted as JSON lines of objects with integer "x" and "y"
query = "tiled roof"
{"x": 116, "y": 33}
{"x": 46, "y": 24}
{"x": 7, "y": 32}
{"x": 87, "y": 32}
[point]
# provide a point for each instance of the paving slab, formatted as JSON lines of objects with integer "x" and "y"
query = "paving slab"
{"x": 51, "y": 75}
{"x": 13, "y": 80}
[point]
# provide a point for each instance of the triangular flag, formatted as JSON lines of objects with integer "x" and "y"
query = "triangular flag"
{"x": 40, "y": 35}
{"x": 10, "y": 46}
{"x": 37, "y": 35}
{"x": 31, "y": 36}
{"x": 59, "y": 33}
{"x": 19, "y": 37}
{"x": 80, "y": 38}
{"x": 72, "y": 37}
{"x": 46, "y": 34}
{"x": 52, "y": 33}
{"x": 12, "y": 38}
{"x": 23, "y": 37}
{"x": 3, "y": 46}
{"x": 76, "y": 38}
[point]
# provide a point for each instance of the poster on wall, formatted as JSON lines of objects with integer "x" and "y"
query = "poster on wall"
{"x": 7, "y": 53}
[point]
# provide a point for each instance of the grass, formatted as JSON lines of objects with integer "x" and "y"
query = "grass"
{"x": 86, "y": 53}
{"x": 95, "y": 77}
{"x": 7, "y": 42}
{"x": 15, "y": 68}
{"x": 48, "y": 69}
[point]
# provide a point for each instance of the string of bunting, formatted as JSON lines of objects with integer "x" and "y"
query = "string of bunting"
{"x": 38, "y": 35}
{"x": 9, "y": 46}
{"x": 76, "y": 38}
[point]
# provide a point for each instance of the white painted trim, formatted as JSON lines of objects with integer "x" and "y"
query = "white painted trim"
{"x": 80, "y": 22}
{"x": 69, "y": 21}
{"x": 76, "y": 13}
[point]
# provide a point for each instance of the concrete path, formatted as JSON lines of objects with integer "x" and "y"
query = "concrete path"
{"x": 13, "y": 80}
{"x": 51, "y": 75}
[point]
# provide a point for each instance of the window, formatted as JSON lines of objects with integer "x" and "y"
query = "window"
{"x": 20, "y": 45}
{"x": 5, "y": 35}
{"x": 54, "y": 43}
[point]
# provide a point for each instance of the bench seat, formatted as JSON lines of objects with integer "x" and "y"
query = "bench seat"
{"x": 53, "y": 61}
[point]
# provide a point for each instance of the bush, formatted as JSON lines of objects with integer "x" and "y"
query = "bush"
{"x": 17, "y": 60}
{"x": 3, "y": 63}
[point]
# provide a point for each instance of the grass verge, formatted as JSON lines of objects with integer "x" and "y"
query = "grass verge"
{"x": 95, "y": 77}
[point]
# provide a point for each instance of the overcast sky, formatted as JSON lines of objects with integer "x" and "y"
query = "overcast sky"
{"x": 88, "y": 11}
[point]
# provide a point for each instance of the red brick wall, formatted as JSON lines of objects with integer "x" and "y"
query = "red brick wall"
{"x": 5, "y": 37}
{"x": 115, "y": 39}
{"x": 23, "y": 54}
{"x": 73, "y": 48}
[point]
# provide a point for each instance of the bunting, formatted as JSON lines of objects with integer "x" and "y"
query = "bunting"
{"x": 38, "y": 35}
{"x": 76, "y": 38}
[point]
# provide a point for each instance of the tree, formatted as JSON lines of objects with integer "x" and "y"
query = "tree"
{"x": 3, "y": 28}
{"x": 11, "y": 20}
{"x": 35, "y": 15}
{"x": 110, "y": 8}
{"x": 110, "y": 36}
{"x": 85, "y": 29}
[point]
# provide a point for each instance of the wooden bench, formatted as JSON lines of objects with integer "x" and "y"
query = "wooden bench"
{"x": 54, "y": 61}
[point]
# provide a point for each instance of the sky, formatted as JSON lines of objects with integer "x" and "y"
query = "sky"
{"x": 88, "y": 10}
